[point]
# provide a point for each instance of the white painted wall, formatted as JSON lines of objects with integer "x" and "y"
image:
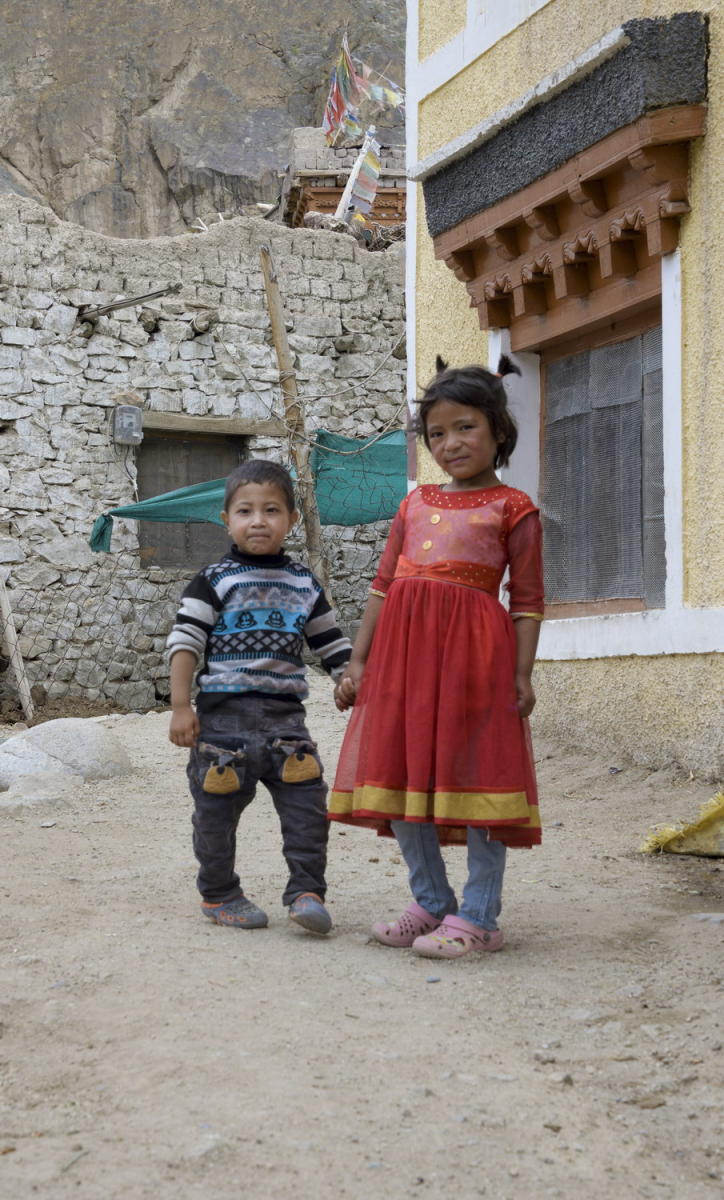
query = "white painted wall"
{"x": 524, "y": 403}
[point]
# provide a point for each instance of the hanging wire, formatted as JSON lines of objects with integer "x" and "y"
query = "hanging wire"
{"x": 393, "y": 422}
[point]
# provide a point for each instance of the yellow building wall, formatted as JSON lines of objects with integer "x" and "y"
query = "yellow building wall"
{"x": 658, "y": 709}
{"x": 452, "y": 329}
{"x": 549, "y": 39}
{"x": 439, "y": 24}
{"x": 651, "y": 711}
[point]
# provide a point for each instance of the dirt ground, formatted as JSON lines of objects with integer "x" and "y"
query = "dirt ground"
{"x": 148, "y": 1053}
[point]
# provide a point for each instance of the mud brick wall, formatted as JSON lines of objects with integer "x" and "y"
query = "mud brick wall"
{"x": 94, "y": 625}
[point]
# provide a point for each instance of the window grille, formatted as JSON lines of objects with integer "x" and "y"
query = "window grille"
{"x": 603, "y": 496}
{"x": 167, "y": 461}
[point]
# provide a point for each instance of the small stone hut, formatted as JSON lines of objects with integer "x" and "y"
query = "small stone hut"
{"x": 94, "y": 625}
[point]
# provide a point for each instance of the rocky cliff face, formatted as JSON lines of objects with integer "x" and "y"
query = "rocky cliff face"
{"x": 132, "y": 118}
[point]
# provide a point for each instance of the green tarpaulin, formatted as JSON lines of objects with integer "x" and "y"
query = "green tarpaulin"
{"x": 352, "y": 489}
{"x": 368, "y": 485}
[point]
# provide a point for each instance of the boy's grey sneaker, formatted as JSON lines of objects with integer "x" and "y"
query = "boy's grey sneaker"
{"x": 309, "y": 912}
{"x": 241, "y": 913}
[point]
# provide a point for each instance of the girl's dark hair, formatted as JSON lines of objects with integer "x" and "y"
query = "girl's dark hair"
{"x": 477, "y": 388}
{"x": 258, "y": 470}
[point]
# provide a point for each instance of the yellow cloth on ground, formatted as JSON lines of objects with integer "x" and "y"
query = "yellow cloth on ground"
{"x": 704, "y": 836}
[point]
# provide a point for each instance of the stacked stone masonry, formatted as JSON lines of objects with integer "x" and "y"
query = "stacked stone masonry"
{"x": 94, "y": 625}
{"x": 317, "y": 173}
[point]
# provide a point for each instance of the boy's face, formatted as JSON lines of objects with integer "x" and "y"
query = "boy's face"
{"x": 258, "y": 519}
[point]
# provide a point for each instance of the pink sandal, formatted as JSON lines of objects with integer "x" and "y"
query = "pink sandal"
{"x": 455, "y": 937}
{"x": 414, "y": 922}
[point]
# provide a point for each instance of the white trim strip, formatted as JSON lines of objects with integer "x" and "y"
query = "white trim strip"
{"x": 672, "y": 427}
{"x": 657, "y": 632}
{"x": 579, "y": 67}
{"x": 524, "y": 401}
{"x": 488, "y": 21}
{"x": 411, "y": 219}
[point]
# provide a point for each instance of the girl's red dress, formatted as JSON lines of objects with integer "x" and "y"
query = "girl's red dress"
{"x": 435, "y": 734}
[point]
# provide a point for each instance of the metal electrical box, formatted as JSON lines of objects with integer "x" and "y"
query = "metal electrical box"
{"x": 127, "y": 425}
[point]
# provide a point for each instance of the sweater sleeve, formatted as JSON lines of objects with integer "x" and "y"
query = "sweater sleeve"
{"x": 195, "y": 619}
{"x": 526, "y": 568}
{"x": 325, "y": 638}
{"x": 391, "y": 553}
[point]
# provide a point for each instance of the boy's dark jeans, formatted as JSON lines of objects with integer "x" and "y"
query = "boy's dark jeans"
{"x": 264, "y": 731}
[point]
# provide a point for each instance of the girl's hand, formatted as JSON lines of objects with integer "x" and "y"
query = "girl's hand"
{"x": 347, "y": 687}
{"x": 184, "y": 728}
{"x": 525, "y": 694}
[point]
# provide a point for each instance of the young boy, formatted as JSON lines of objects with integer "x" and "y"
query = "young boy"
{"x": 242, "y": 621}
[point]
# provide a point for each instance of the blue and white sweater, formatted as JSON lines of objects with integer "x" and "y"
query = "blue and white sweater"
{"x": 246, "y": 618}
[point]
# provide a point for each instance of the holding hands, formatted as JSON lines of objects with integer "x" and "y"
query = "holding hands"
{"x": 347, "y": 685}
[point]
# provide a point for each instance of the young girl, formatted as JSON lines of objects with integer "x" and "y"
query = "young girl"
{"x": 438, "y": 750}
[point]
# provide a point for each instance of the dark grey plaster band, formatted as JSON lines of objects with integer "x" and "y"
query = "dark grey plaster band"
{"x": 664, "y": 64}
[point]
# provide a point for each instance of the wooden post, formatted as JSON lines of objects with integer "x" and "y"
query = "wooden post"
{"x": 10, "y": 638}
{"x": 298, "y": 446}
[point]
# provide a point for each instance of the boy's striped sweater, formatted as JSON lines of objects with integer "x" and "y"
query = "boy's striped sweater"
{"x": 246, "y": 617}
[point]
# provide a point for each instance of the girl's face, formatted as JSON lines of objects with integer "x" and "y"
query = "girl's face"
{"x": 463, "y": 444}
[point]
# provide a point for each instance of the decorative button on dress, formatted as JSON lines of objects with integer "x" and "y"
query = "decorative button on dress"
{"x": 435, "y": 734}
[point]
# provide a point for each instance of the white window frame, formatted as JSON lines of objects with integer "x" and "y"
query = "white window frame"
{"x": 674, "y": 629}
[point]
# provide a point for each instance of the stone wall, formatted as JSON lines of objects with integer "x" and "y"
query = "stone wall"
{"x": 94, "y": 625}
{"x": 314, "y": 165}
{"x": 308, "y": 151}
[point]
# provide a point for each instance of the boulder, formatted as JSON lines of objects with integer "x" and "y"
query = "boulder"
{"x": 69, "y": 746}
{"x": 40, "y": 788}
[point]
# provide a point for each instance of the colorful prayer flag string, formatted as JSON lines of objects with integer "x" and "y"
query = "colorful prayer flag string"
{"x": 347, "y": 87}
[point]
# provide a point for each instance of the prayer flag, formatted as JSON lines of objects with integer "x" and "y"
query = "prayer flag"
{"x": 334, "y": 110}
{"x": 346, "y": 76}
{"x": 352, "y": 123}
{"x": 394, "y": 99}
{"x": 364, "y": 188}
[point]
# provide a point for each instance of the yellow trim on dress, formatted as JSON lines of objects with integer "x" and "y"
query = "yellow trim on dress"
{"x": 377, "y": 592}
{"x": 393, "y": 804}
{"x": 533, "y": 616}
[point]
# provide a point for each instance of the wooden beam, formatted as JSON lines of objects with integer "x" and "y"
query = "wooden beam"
{"x": 236, "y": 426}
{"x": 11, "y": 643}
{"x": 623, "y": 297}
{"x": 677, "y": 124}
{"x": 297, "y": 440}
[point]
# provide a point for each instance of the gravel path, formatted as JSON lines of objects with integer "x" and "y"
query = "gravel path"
{"x": 147, "y": 1053}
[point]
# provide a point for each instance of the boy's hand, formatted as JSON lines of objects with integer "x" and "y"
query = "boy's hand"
{"x": 184, "y": 728}
{"x": 348, "y": 685}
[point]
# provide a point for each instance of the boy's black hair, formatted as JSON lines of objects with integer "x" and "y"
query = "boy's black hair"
{"x": 477, "y": 388}
{"x": 258, "y": 470}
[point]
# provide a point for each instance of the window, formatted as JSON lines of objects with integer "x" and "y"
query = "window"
{"x": 167, "y": 461}
{"x": 602, "y": 496}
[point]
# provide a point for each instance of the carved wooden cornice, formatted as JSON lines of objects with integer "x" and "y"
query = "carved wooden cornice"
{"x": 583, "y": 243}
